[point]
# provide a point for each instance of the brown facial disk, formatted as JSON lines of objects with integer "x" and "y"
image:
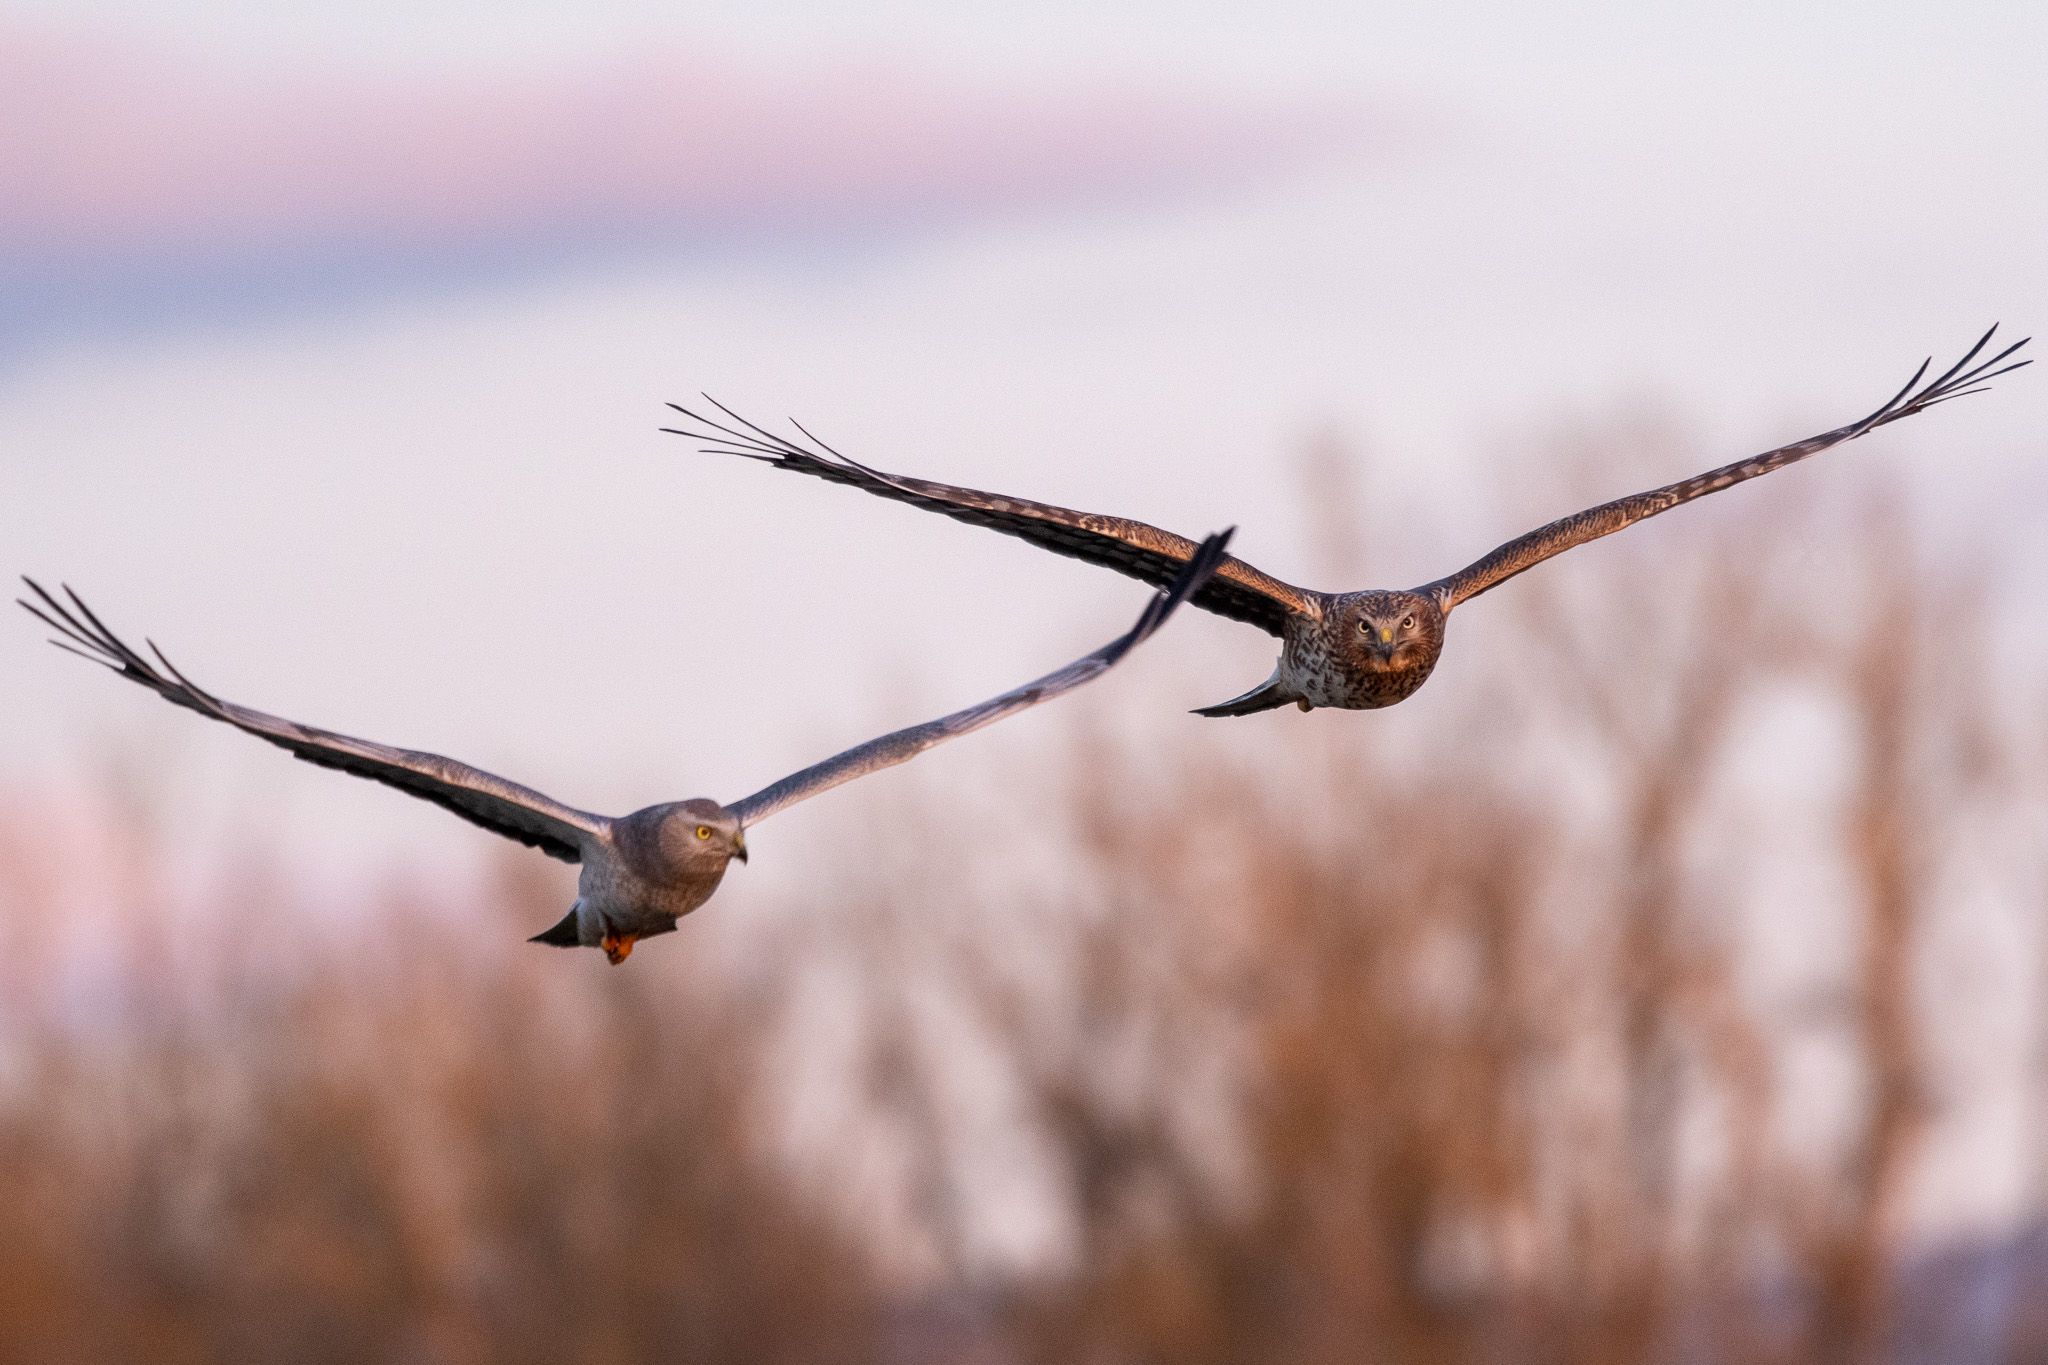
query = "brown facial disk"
{"x": 1394, "y": 632}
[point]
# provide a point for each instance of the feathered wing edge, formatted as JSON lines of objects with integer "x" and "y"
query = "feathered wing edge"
{"x": 904, "y": 745}
{"x": 1527, "y": 551}
{"x": 1136, "y": 548}
{"x": 477, "y": 796}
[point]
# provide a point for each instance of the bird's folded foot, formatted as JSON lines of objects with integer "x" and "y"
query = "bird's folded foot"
{"x": 618, "y": 947}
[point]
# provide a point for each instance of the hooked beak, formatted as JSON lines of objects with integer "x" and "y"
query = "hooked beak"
{"x": 739, "y": 846}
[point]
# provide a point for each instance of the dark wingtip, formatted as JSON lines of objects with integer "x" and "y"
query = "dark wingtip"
{"x": 197, "y": 691}
{"x": 1197, "y": 571}
{"x": 1202, "y": 564}
{"x": 1192, "y": 578}
{"x": 1209, "y": 557}
{"x": 90, "y": 658}
{"x": 774, "y": 442}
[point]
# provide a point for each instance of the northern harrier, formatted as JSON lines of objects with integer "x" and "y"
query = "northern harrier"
{"x": 641, "y": 872}
{"x": 1355, "y": 650}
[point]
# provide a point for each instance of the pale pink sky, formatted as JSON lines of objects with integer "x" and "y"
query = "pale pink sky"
{"x": 210, "y": 188}
{"x": 111, "y": 147}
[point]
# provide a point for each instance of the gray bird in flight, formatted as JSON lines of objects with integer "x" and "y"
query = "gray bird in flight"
{"x": 1353, "y": 650}
{"x": 641, "y": 872}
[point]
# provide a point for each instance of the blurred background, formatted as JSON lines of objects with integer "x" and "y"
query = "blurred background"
{"x": 1664, "y": 982}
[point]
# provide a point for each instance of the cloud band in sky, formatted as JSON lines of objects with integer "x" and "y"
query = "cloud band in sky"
{"x": 141, "y": 188}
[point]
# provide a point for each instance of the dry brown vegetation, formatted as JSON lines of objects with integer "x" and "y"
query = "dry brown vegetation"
{"x": 1475, "y": 1035}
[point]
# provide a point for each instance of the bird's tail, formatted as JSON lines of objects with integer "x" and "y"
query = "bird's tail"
{"x": 1264, "y": 697}
{"x": 563, "y": 934}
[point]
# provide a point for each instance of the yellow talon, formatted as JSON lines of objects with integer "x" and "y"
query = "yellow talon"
{"x": 618, "y": 947}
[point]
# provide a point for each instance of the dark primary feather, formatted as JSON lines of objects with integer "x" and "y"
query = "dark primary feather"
{"x": 1527, "y": 551}
{"x": 1145, "y": 552}
{"x": 477, "y": 796}
{"x": 895, "y": 748}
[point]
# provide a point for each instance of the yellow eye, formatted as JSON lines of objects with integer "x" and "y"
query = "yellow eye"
{"x": 1408, "y": 622}
{"x": 703, "y": 831}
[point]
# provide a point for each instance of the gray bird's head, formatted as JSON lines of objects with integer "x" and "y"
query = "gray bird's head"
{"x": 701, "y": 834}
{"x": 1389, "y": 632}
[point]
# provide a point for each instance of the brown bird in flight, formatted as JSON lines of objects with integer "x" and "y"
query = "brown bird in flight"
{"x": 641, "y": 872}
{"x": 1354, "y": 650}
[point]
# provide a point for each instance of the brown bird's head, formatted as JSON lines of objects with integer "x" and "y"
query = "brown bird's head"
{"x": 1393, "y": 632}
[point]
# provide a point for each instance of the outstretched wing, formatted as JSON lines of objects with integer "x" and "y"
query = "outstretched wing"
{"x": 903, "y": 745}
{"x": 1145, "y": 552}
{"x": 482, "y": 799}
{"x": 1561, "y": 535}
